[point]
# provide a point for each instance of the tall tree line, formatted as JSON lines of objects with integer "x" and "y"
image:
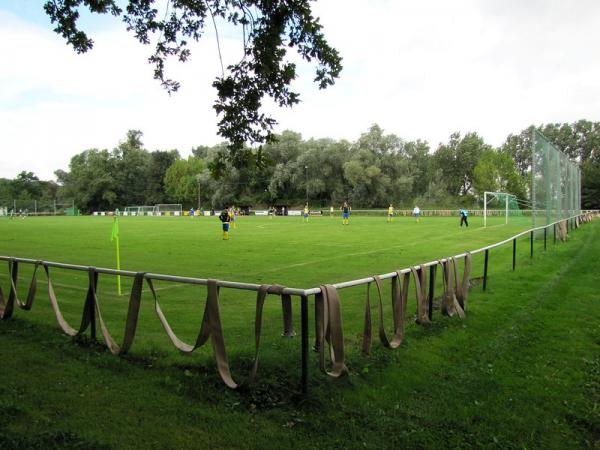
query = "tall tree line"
{"x": 374, "y": 171}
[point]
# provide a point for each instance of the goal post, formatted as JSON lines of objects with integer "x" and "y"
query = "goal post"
{"x": 168, "y": 209}
{"x": 503, "y": 201}
{"x": 138, "y": 210}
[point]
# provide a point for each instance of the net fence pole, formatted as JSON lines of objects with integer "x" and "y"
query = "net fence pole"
{"x": 533, "y": 148}
{"x": 484, "y": 209}
{"x": 506, "y": 206}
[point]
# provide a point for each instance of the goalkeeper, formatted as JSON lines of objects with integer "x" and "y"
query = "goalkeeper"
{"x": 224, "y": 217}
{"x": 464, "y": 214}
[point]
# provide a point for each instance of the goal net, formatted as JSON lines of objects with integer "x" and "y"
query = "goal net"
{"x": 138, "y": 210}
{"x": 555, "y": 183}
{"x": 500, "y": 204}
{"x": 168, "y": 209}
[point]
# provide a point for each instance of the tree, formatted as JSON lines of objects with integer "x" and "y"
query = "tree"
{"x": 181, "y": 181}
{"x": 419, "y": 165}
{"x": 496, "y": 172}
{"x": 131, "y": 169}
{"x": 590, "y": 189}
{"x": 518, "y": 147}
{"x": 458, "y": 159}
{"x": 269, "y": 28}
{"x": 159, "y": 162}
{"x": 27, "y": 185}
{"x": 90, "y": 180}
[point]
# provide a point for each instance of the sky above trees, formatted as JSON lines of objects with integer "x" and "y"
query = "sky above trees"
{"x": 421, "y": 70}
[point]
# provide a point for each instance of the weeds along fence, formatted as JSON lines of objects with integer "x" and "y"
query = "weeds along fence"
{"x": 329, "y": 337}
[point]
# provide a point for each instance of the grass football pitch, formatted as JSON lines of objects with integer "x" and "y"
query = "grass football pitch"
{"x": 282, "y": 250}
{"x": 521, "y": 371}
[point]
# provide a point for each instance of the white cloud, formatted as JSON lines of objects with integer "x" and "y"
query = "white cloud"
{"x": 419, "y": 69}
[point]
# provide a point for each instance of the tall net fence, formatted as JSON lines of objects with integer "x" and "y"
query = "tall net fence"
{"x": 555, "y": 183}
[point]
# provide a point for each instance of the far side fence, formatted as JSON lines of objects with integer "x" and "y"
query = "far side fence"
{"x": 328, "y": 327}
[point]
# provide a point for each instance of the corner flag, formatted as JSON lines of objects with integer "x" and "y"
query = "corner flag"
{"x": 115, "y": 230}
{"x": 114, "y": 236}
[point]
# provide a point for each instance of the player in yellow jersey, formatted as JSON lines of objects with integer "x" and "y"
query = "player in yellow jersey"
{"x": 231, "y": 213}
{"x": 346, "y": 213}
{"x": 306, "y": 213}
{"x": 224, "y": 218}
{"x": 390, "y": 213}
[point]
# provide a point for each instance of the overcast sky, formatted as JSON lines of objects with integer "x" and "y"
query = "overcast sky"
{"x": 420, "y": 69}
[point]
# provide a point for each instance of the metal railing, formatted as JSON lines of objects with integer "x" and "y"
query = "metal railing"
{"x": 304, "y": 294}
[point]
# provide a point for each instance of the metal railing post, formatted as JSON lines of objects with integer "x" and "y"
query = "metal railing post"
{"x": 514, "y": 253}
{"x": 531, "y": 245}
{"x": 545, "y": 237}
{"x": 431, "y": 293}
{"x": 485, "y": 269}
{"x": 304, "y": 332}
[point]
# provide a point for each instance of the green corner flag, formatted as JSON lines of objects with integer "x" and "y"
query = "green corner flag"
{"x": 114, "y": 236}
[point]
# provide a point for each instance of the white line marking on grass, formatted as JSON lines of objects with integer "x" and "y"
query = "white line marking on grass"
{"x": 370, "y": 252}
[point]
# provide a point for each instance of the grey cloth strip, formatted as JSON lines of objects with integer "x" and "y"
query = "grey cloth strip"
{"x": 398, "y": 304}
{"x": 462, "y": 288}
{"x": 450, "y": 305}
{"x": 7, "y": 306}
{"x": 330, "y": 329}
{"x": 454, "y": 300}
{"x": 212, "y": 327}
{"x": 286, "y": 309}
{"x": 420, "y": 277}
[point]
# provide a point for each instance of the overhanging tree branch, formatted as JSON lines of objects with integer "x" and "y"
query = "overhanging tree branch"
{"x": 263, "y": 71}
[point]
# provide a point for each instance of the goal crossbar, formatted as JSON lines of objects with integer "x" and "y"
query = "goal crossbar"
{"x": 490, "y": 194}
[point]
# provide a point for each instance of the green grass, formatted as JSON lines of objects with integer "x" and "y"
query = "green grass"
{"x": 522, "y": 371}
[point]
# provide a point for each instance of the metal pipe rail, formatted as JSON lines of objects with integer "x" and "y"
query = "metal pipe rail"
{"x": 148, "y": 275}
{"x": 362, "y": 281}
{"x": 302, "y": 293}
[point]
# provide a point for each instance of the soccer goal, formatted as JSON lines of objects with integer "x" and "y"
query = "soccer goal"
{"x": 138, "y": 210}
{"x": 168, "y": 209}
{"x": 499, "y": 204}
